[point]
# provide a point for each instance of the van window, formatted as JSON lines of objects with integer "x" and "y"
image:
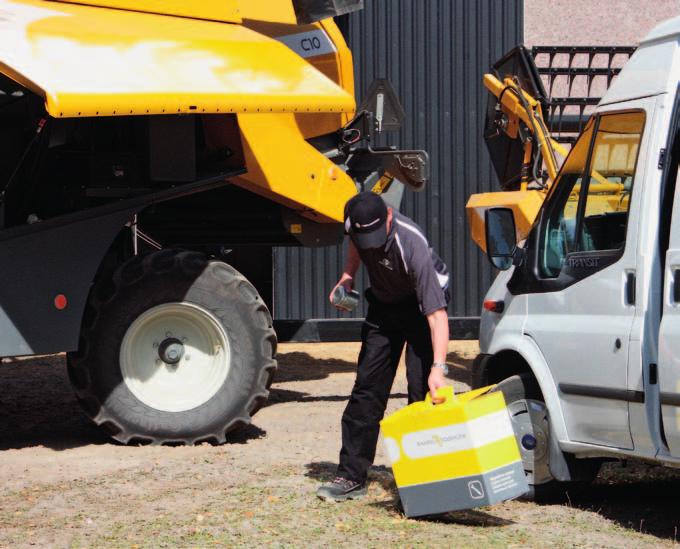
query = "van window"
{"x": 593, "y": 216}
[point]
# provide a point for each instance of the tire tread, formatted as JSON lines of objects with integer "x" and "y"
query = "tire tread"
{"x": 132, "y": 273}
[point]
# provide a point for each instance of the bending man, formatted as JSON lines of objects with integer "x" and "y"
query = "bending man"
{"x": 408, "y": 297}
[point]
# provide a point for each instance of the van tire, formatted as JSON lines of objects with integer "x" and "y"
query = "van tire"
{"x": 520, "y": 392}
{"x": 196, "y": 297}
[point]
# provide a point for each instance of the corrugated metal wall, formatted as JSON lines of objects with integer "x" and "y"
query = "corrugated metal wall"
{"x": 434, "y": 52}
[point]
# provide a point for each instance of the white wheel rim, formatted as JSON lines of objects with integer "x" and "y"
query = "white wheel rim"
{"x": 196, "y": 377}
{"x": 532, "y": 431}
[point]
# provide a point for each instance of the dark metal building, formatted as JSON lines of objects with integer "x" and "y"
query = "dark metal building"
{"x": 435, "y": 53}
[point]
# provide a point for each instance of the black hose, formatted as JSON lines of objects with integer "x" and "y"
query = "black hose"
{"x": 538, "y": 158}
{"x": 527, "y": 108}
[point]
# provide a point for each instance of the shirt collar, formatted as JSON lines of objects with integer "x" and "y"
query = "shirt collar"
{"x": 392, "y": 233}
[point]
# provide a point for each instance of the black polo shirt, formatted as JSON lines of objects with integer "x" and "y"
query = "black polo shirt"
{"x": 406, "y": 267}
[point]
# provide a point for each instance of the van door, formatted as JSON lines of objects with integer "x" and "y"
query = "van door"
{"x": 581, "y": 305}
{"x": 669, "y": 330}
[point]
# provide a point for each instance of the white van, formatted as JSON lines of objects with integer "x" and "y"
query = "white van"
{"x": 581, "y": 329}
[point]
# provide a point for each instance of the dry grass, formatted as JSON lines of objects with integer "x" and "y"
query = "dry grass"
{"x": 64, "y": 485}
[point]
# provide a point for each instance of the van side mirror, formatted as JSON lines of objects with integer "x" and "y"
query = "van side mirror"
{"x": 501, "y": 243}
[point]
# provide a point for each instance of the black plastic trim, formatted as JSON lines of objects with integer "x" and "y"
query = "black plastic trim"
{"x": 653, "y": 374}
{"x": 626, "y": 395}
{"x": 668, "y": 182}
{"x": 670, "y": 399}
{"x": 630, "y": 289}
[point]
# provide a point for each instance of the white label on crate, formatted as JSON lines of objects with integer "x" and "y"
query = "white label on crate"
{"x": 455, "y": 438}
{"x": 308, "y": 44}
{"x": 503, "y": 482}
{"x": 392, "y": 449}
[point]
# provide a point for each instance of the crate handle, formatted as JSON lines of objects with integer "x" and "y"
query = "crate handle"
{"x": 444, "y": 393}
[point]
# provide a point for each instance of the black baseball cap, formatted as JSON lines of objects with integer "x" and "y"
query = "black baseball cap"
{"x": 366, "y": 219}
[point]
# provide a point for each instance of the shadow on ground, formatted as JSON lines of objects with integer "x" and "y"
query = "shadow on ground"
{"x": 460, "y": 368}
{"x": 38, "y": 407}
{"x": 279, "y": 396}
{"x": 246, "y": 434}
{"x": 640, "y": 497}
{"x": 324, "y": 471}
{"x": 297, "y": 366}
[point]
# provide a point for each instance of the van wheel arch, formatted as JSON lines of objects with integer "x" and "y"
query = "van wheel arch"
{"x": 500, "y": 366}
{"x": 511, "y": 367}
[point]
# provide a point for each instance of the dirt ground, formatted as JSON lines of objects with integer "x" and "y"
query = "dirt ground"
{"x": 64, "y": 484}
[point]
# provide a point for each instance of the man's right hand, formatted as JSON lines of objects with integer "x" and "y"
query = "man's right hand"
{"x": 345, "y": 280}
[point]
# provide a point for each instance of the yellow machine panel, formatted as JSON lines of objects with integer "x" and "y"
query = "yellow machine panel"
{"x": 102, "y": 62}
{"x": 309, "y": 183}
{"x": 524, "y": 204}
{"x": 323, "y": 47}
{"x": 215, "y": 10}
{"x": 272, "y": 11}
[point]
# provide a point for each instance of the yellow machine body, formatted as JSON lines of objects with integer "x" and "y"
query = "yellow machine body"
{"x": 525, "y": 205}
{"x": 151, "y": 57}
{"x": 605, "y": 192}
{"x": 213, "y": 10}
{"x": 455, "y": 455}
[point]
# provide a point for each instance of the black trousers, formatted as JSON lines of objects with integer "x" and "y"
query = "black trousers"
{"x": 383, "y": 335}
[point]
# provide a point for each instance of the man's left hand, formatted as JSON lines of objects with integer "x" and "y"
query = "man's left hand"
{"x": 434, "y": 382}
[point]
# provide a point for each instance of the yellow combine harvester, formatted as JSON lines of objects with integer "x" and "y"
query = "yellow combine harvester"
{"x": 152, "y": 151}
{"x": 527, "y": 159}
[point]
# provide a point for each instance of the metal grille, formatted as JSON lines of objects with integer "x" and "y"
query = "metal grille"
{"x": 435, "y": 52}
{"x": 575, "y": 79}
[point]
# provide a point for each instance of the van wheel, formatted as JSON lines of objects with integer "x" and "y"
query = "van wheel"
{"x": 175, "y": 348}
{"x": 530, "y": 421}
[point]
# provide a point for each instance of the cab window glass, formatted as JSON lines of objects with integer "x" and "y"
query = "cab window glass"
{"x": 592, "y": 216}
{"x": 559, "y": 232}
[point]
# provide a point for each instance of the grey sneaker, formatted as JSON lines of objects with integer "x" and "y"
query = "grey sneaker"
{"x": 341, "y": 489}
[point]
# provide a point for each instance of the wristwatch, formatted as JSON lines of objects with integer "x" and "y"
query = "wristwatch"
{"x": 442, "y": 365}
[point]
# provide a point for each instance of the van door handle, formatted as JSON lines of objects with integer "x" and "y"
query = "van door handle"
{"x": 630, "y": 289}
{"x": 676, "y": 285}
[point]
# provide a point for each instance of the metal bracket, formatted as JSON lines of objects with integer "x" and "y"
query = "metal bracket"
{"x": 138, "y": 234}
{"x": 411, "y": 167}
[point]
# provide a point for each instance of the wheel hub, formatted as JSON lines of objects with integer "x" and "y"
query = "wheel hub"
{"x": 171, "y": 350}
{"x": 175, "y": 357}
{"x": 529, "y": 442}
{"x": 531, "y": 427}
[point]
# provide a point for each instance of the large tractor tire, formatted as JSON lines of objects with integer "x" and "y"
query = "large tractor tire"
{"x": 175, "y": 349}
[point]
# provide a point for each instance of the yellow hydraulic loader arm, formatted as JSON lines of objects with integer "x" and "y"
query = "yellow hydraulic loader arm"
{"x": 519, "y": 117}
{"x": 515, "y": 107}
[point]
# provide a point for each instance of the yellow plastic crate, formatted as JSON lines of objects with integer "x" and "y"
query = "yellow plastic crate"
{"x": 456, "y": 455}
